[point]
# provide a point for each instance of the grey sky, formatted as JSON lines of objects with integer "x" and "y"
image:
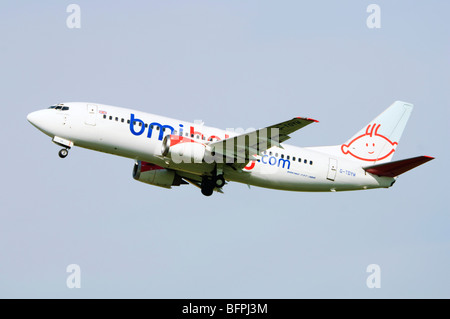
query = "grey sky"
{"x": 232, "y": 64}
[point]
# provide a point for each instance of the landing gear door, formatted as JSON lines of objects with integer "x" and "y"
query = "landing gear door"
{"x": 91, "y": 114}
{"x": 332, "y": 168}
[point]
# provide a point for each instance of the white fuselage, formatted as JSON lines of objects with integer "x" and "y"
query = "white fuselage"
{"x": 110, "y": 129}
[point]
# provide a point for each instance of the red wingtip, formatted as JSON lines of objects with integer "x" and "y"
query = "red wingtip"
{"x": 308, "y": 119}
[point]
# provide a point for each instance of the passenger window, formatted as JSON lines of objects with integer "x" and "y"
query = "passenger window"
{"x": 293, "y": 158}
{"x": 282, "y": 155}
{"x": 110, "y": 117}
{"x": 146, "y": 125}
{"x": 310, "y": 162}
{"x": 140, "y": 123}
{"x": 123, "y": 120}
{"x": 287, "y": 157}
{"x": 305, "y": 161}
{"x": 299, "y": 160}
{"x": 65, "y": 108}
{"x": 128, "y": 121}
{"x": 104, "y": 116}
{"x": 270, "y": 153}
{"x": 276, "y": 154}
{"x": 117, "y": 119}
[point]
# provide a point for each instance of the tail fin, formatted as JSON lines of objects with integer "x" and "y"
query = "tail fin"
{"x": 377, "y": 141}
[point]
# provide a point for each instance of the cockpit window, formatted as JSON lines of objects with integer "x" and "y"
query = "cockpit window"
{"x": 59, "y": 107}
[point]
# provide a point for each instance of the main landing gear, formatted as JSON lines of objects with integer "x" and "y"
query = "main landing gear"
{"x": 211, "y": 182}
{"x": 220, "y": 181}
{"x": 63, "y": 152}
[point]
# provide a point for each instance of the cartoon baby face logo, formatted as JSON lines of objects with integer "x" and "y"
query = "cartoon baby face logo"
{"x": 367, "y": 147}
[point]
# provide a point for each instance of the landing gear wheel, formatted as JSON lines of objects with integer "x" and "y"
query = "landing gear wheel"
{"x": 63, "y": 153}
{"x": 207, "y": 191}
{"x": 220, "y": 181}
{"x": 207, "y": 186}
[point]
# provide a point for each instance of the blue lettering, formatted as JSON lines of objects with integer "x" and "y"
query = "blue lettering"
{"x": 160, "y": 128}
{"x": 274, "y": 160}
{"x": 284, "y": 162}
{"x": 262, "y": 159}
{"x": 132, "y": 122}
{"x": 346, "y": 172}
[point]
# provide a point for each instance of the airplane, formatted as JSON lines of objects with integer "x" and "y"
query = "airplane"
{"x": 169, "y": 152}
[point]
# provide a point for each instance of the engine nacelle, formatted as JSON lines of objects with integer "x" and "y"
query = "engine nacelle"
{"x": 156, "y": 175}
{"x": 183, "y": 149}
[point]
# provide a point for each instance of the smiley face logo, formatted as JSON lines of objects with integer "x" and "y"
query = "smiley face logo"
{"x": 370, "y": 146}
{"x": 373, "y": 145}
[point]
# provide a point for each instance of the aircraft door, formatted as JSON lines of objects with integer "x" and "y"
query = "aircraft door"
{"x": 91, "y": 114}
{"x": 332, "y": 168}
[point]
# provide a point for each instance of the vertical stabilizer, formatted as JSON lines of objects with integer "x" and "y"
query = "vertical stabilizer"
{"x": 376, "y": 142}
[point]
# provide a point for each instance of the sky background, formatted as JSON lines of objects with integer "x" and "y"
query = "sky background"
{"x": 232, "y": 64}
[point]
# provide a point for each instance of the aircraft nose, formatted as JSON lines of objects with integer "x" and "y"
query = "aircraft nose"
{"x": 31, "y": 117}
{"x": 36, "y": 118}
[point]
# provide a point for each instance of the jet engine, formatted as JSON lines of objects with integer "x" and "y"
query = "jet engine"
{"x": 156, "y": 175}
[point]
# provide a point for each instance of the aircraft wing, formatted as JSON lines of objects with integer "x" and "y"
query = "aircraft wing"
{"x": 241, "y": 148}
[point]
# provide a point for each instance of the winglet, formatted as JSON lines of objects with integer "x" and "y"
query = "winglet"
{"x": 392, "y": 169}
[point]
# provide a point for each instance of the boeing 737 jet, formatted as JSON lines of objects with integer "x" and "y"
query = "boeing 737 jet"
{"x": 169, "y": 152}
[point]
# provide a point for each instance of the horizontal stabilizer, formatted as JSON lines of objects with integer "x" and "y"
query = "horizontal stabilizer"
{"x": 392, "y": 169}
